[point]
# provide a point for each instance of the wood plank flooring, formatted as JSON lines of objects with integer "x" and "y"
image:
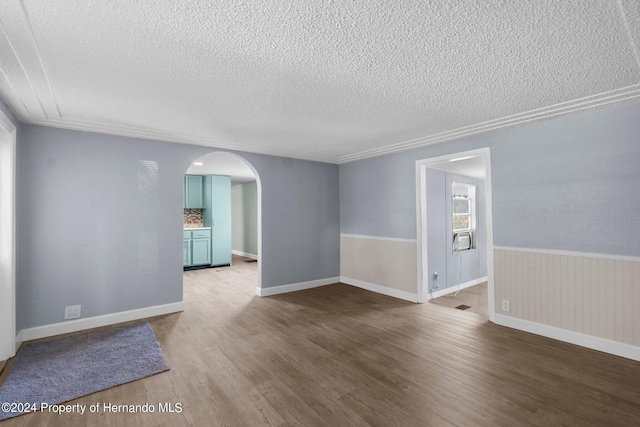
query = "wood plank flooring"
{"x": 474, "y": 297}
{"x": 341, "y": 356}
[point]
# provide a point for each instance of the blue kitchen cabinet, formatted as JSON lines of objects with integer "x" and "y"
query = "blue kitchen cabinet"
{"x": 196, "y": 248}
{"x": 193, "y": 191}
{"x": 217, "y": 215}
{"x": 200, "y": 247}
{"x": 186, "y": 250}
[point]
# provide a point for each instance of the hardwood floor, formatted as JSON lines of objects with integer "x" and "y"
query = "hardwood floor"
{"x": 475, "y": 298}
{"x": 341, "y": 356}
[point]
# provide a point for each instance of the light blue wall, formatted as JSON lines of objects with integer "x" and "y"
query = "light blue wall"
{"x": 453, "y": 268}
{"x": 100, "y": 222}
{"x": 436, "y": 229}
{"x": 90, "y": 220}
{"x": 300, "y": 219}
{"x": 569, "y": 183}
{"x": 244, "y": 211}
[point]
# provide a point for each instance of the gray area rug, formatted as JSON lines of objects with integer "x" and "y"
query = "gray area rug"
{"x": 66, "y": 368}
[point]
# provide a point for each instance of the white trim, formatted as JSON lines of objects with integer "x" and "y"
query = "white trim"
{"x": 569, "y": 253}
{"x": 98, "y": 321}
{"x": 19, "y": 340}
{"x": 395, "y": 293}
{"x": 390, "y": 239}
{"x": 607, "y": 346}
{"x": 293, "y": 287}
{"x": 8, "y": 258}
{"x": 587, "y": 103}
{"x": 447, "y": 291}
{"x": 244, "y": 254}
{"x": 216, "y": 144}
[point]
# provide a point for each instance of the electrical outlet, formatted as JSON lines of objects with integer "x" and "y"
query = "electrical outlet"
{"x": 505, "y": 305}
{"x": 72, "y": 312}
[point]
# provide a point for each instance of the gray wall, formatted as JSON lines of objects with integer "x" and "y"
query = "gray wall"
{"x": 569, "y": 183}
{"x": 244, "y": 221}
{"x": 100, "y": 222}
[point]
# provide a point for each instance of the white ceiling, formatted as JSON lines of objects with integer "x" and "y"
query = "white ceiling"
{"x": 223, "y": 164}
{"x": 320, "y": 80}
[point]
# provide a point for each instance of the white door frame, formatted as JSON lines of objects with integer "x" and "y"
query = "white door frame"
{"x": 421, "y": 223}
{"x": 7, "y": 238}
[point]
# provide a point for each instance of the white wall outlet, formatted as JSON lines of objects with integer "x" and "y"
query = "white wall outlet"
{"x": 72, "y": 312}
{"x": 505, "y": 305}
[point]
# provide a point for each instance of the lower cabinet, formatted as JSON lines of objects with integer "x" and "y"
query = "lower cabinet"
{"x": 186, "y": 251}
{"x": 196, "y": 248}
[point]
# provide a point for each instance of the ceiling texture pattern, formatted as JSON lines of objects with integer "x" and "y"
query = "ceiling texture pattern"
{"x": 321, "y": 80}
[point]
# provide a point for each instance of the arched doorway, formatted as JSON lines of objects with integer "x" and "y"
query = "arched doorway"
{"x": 241, "y": 174}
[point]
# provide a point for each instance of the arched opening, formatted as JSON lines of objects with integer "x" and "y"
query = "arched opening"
{"x": 240, "y": 183}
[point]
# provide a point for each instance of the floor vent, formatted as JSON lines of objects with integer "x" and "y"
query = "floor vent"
{"x": 251, "y": 260}
{"x": 463, "y": 307}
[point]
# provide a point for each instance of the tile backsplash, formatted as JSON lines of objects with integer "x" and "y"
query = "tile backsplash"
{"x": 192, "y": 218}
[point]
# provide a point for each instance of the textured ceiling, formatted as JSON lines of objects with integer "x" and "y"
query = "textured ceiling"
{"x": 218, "y": 163}
{"x": 321, "y": 80}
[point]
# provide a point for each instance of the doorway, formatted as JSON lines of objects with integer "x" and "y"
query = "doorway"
{"x": 459, "y": 243}
{"x": 7, "y": 238}
{"x": 246, "y": 205}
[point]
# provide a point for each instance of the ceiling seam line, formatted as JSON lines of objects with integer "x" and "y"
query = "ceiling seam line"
{"x": 15, "y": 54}
{"x": 39, "y": 55}
{"x": 634, "y": 47}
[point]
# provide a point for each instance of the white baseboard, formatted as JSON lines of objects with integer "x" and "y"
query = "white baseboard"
{"x": 244, "y": 254}
{"x": 97, "y": 321}
{"x": 19, "y": 340}
{"x": 456, "y": 288}
{"x": 395, "y": 293}
{"x": 283, "y": 289}
{"x": 595, "y": 343}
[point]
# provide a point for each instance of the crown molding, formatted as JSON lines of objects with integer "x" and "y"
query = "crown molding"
{"x": 616, "y": 96}
{"x": 203, "y": 141}
{"x": 626, "y": 94}
{"x": 581, "y": 104}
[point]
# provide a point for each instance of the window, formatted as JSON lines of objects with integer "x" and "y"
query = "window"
{"x": 463, "y": 206}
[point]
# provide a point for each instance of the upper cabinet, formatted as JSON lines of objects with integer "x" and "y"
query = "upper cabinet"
{"x": 193, "y": 191}
{"x": 217, "y": 215}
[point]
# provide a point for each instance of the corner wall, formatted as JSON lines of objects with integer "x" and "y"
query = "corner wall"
{"x": 564, "y": 184}
{"x": 244, "y": 211}
{"x": 100, "y": 225}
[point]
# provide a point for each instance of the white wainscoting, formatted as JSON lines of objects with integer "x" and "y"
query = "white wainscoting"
{"x": 384, "y": 265}
{"x": 583, "y": 294}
